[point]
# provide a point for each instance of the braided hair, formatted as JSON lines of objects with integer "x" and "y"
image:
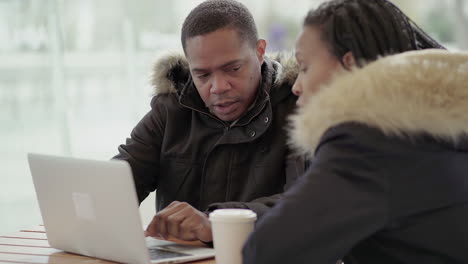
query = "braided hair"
{"x": 367, "y": 28}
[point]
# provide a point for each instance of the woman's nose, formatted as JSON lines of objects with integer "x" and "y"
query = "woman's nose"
{"x": 297, "y": 89}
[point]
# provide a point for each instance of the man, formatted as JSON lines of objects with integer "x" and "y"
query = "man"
{"x": 215, "y": 136}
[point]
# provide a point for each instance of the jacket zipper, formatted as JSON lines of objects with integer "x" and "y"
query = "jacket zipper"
{"x": 203, "y": 176}
{"x": 225, "y": 130}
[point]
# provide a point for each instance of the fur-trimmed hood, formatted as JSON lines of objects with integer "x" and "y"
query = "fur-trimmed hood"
{"x": 410, "y": 93}
{"x": 171, "y": 71}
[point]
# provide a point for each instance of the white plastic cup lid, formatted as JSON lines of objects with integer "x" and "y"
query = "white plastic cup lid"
{"x": 233, "y": 215}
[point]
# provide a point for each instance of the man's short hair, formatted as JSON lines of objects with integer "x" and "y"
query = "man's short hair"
{"x": 212, "y": 15}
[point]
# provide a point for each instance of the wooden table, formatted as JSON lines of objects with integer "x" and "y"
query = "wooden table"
{"x": 31, "y": 246}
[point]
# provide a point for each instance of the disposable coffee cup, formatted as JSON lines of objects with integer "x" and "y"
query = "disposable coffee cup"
{"x": 230, "y": 228}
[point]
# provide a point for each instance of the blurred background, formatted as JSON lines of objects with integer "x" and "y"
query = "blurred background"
{"x": 74, "y": 75}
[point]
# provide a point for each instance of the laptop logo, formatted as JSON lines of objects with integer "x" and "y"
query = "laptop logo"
{"x": 83, "y": 204}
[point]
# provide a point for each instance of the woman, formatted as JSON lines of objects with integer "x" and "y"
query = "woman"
{"x": 389, "y": 178}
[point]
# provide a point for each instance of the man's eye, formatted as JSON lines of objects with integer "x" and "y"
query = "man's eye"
{"x": 303, "y": 69}
{"x": 202, "y": 76}
{"x": 234, "y": 69}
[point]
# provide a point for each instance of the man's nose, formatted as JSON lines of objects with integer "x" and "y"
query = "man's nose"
{"x": 219, "y": 84}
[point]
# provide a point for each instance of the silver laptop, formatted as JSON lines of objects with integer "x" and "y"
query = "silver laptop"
{"x": 91, "y": 208}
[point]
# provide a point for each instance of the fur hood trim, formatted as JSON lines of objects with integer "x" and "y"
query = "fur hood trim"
{"x": 409, "y": 93}
{"x": 171, "y": 71}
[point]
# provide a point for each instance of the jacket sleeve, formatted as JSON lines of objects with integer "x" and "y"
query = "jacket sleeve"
{"x": 295, "y": 167}
{"x": 341, "y": 200}
{"x": 142, "y": 150}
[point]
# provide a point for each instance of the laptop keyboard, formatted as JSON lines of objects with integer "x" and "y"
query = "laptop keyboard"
{"x": 158, "y": 253}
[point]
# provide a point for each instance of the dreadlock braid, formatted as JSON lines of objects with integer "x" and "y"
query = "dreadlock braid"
{"x": 367, "y": 28}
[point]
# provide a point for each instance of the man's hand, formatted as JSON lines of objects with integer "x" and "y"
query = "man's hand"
{"x": 181, "y": 221}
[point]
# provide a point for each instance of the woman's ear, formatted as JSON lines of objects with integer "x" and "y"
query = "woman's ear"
{"x": 260, "y": 48}
{"x": 348, "y": 60}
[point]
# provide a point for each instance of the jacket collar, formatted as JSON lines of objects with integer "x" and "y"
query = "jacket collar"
{"x": 171, "y": 72}
{"x": 172, "y": 75}
{"x": 410, "y": 93}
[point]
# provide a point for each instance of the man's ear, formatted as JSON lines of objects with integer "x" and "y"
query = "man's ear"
{"x": 348, "y": 60}
{"x": 261, "y": 48}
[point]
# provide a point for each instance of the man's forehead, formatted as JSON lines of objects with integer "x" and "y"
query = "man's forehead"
{"x": 226, "y": 30}
{"x": 220, "y": 39}
{"x": 216, "y": 49}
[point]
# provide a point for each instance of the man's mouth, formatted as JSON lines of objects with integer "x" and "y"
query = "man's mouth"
{"x": 225, "y": 107}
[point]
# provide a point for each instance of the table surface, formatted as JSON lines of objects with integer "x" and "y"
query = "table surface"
{"x": 31, "y": 246}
